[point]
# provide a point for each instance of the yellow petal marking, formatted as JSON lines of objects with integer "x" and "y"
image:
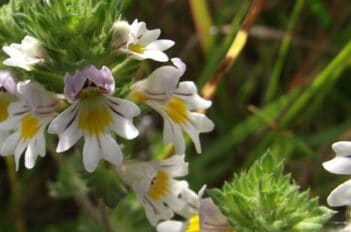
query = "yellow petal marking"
{"x": 159, "y": 186}
{"x": 194, "y": 224}
{"x": 4, "y": 103}
{"x": 29, "y": 126}
{"x": 94, "y": 115}
{"x": 176, "y": 110}
{"x": 138, "y": 96}
{"x": 136, "y": 48}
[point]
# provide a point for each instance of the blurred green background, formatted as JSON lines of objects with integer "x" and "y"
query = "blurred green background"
{"x": 289, "y": 90}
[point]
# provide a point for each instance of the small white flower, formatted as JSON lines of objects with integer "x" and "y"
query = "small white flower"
{"x": 156, "y": 187}
{"x": 94, "y": 113}
{"x": 175, "y": 104}
{"x": 30, "y": 52}
{"x": 208, "y": 218}
{"x": 27, "y": 120}
{"x": 8, "y": 91}
{"x": 139, "y": 42}
{"x": 341, "y": 164}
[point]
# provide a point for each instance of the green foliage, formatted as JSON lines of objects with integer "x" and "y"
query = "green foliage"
{"x": 68, "y": 181}
{"x": 9, "y": 31}
{"x": 107, "y": 185}
{"x": 75, "y": 33}
{"x": 263, "y": 199}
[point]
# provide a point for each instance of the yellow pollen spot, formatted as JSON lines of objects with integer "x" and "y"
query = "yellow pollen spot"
{"x": 194, "y": 224}
{"x": 138, "y": 96}
{"x": 29, "y": 126}
{"x": 4, "y": 103}
{"x": 176, "y": 110}
{"x": 94, "y": 116}
{"x": 137, "y": 48}
{"x": 159, "y": 186}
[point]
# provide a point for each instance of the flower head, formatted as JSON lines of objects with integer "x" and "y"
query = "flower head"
{"x": 341, "y": 164}
{"x": 27, "y": 120}
{"x": 207, "y": 218}
{"x": 156, "y": 187}
{"x": 30, "y": 52}
{"x": 175, "y": 103}
{"x": 139, "y": 42}
{"x": 94, "y": 113}
{"x": 8, "y": 90}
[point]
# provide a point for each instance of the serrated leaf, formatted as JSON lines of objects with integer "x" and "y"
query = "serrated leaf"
{"x": 263, "y": 199}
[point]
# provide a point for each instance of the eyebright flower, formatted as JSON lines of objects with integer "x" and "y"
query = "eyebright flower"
{"x": 27, "y": 121}
{"x": 139, "y": 42}
{"x": 30, "y": 52}
{"x": 94, "y": 113}
{"x": 156, "y": 187}
{"x": 341, "y": 164}
{"x": 207, "y": 219}
{"x": 175, "y": 104}
{"x": 8, "y": 91}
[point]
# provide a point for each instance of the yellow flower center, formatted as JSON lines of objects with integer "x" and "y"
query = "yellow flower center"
{"x": 94, "y": 116}
{"x": 138, "y": 96}
{"x": 159, "y": 186}
{"x": 194, "y": 224}
{"x": 29, "y": 126}
{"x": 176, "y": 110}
{"x": 4, "y": 103}
{"x": 136, "y": 48}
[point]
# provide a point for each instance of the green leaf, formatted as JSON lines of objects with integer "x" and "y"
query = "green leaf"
{"x": 263, "y": 199}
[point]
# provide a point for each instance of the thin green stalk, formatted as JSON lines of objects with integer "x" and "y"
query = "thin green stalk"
{"x": 283, "y": 51}
{"x": 203, "y": 22}
{"x": 321, "y": 84}
{"x": 16, "y": 195}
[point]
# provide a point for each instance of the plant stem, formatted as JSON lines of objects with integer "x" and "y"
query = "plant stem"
{"x": 210, "y": 88}
{"x": 283, "y": 51}
{"x": 105, "y": 218}
{"x": 16, "y": 195}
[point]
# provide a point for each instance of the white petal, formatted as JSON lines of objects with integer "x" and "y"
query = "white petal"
{"x": 341, "y": 195}
{"x": 201, "y": 122}
{"x": 18, "y": 152}
{"x": 187, "y": 90}
{"x": 41, "y": 143}
{"x": 149, "y": 36}
{"x": 10, "y": 123}
{"x": 170, "y": 226}
{"x": 91, "y": 153}
{"x": 156, "y": 211}
{"x": 161, "y": 45}
{"x": 155, "y": 55}
{"x": 64, "y": 119}
{"x": 10, "y": 144}
{"x": 211, "y": 217}
{"x": 125, "y": 107}
{"x": 338, "y": 165}
{"x": 69, "y": 137}
{"x": 175, "y": 166}
{"x": 30, "y": 156}
{"x": 194, "y": 135}
{"x": 172, "y": 133}
{"x": 172, "y": 199}
{"x": 110, "y": 150}
{"x": 124, "y": 127}
{"x": 342, "y": 148}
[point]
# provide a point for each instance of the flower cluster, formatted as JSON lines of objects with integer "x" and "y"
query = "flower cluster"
{"x": 341, "y": 164}
{"x": 91, "y": 108}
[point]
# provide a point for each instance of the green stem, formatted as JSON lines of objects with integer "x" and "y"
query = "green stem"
{"x": 321, "y": 84}
{"x": 16, "y": 194}
{"x": 283, "y": 51}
